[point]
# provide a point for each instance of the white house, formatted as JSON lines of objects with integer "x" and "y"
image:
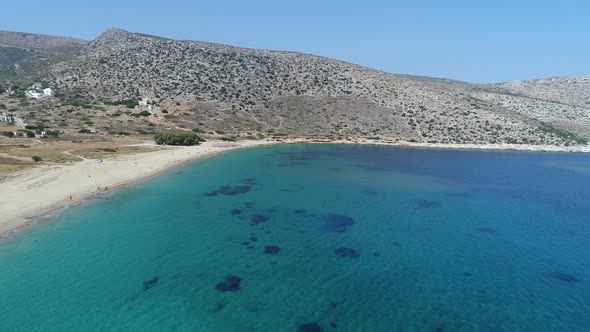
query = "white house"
{"x": 35, "y": 94}
{"x": 42, "y": 134}
{"x": 5, "y": 117}
{"x": 48, "y": 92}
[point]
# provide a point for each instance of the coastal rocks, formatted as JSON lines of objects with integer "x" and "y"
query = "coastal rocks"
{"x": 271, "y": 249}
{"x": 346, "y": 252}
{"x": 230, "y": 283}
{"x": 426, "y": 204}
{"x": 563, "y": 277}
{"x": 229, "y": 190}
{"x": 150, "y": 283}
{"x": 309, "y": 327}
{"x": 337, "y": 223}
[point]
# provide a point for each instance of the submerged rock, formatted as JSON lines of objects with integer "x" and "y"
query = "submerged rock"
{"x": 486, "y": 230}
{"x": 229, "y": 190}
{"x": 230, "y": 283}
{"x": 346, "y": 252}
{"x": 236, "y": 212}
{"x": 460, "y": 194}
{"x": 563, "y": 277}
{"x": 258, "y": 219}
{"x": 426, "y": 204}
{"x": 150, "y": 283}
{"x": 271, "y": 249}
{"x": 338, "y": 223}
{"x": 309, "y": 327}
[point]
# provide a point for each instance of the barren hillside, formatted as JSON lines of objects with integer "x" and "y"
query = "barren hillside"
{"x": 232, "y": 89}
{"x": 23, "y": 55}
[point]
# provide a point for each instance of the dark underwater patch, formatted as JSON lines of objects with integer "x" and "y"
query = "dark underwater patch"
{"x": 298, "y": 163}
{"x": 426, "y": 204}
{"x": 249, "y": 181}
{"x": 486, "y": 230}
{"x": 229, "y": 190}
{"x": 563, "y": 277}
{"x": 460, "y": 194}
{"x": 253, "y": 238}
{"x": 338, "y": 223}
{"x": 309, "y": 327}
{"x": 271, "y": 249}
{"x": 256, "y": 219}
{"x": 284, "y": 190}
{"x": 230, "y": 283}
{"x": 299, "y": 211}
{"x": 150, "y": 283}
{"x": 236, "y": 212}
{"x": 346, "y": 252}
{"x": 333, "y": 325}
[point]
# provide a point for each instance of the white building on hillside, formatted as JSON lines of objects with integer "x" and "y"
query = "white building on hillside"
{"x": 5, "y": 117}
{"x": 35, "y": 94}
{"x": 47, "y": 92}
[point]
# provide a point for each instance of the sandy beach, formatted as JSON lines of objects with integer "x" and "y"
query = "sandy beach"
{"x": 494, "y": 147}
{"x": 36, "y": 192}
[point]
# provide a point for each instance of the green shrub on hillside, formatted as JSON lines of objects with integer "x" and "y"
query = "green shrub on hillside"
{"x": 177, "y": 138}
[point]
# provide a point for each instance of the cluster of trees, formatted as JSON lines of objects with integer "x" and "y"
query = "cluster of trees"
{"x": 178, "y": 138}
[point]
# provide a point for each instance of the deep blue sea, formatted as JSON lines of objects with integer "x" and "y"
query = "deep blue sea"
{"x": 317, "y": 238}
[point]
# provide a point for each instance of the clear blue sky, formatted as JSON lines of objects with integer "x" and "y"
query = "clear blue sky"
{"x": 476, "y": 41}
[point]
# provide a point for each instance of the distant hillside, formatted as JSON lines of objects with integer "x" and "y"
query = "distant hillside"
{"x": 233, "y": 89}
{"x": 23, "y": 55}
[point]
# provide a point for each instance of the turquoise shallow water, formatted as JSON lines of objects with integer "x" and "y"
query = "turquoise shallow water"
{"x": 350, "y": 238}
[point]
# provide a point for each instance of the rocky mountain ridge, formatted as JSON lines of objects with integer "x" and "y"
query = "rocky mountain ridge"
{"x": 237, "y": 89}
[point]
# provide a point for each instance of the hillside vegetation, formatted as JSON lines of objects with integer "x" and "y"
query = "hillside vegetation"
{"x": 231, "y": 90}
